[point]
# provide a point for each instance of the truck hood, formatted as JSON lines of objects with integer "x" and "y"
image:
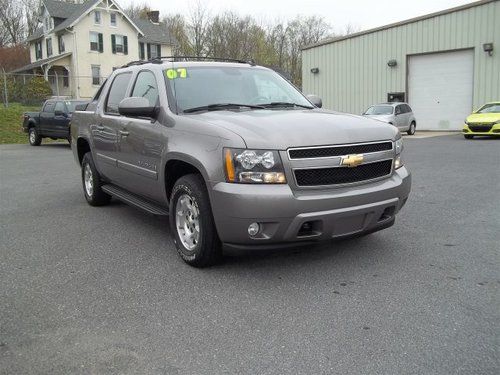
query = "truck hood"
{"x": 384, "y": 118}
{"x": 281, "y": 129}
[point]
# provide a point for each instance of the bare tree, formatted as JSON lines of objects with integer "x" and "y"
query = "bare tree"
{"x": 12, "y": 21}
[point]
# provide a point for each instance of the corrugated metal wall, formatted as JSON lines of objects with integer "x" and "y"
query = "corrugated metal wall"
{"x": 354, "y": 72}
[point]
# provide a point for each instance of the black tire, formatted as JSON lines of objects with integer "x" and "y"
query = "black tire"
{"x": 207, "y": 249}
{"x": 33, "y": 137}
{"x": 413, "y": 127}
{"x": 94, "y": 196}
{"x": 468, "y": 136}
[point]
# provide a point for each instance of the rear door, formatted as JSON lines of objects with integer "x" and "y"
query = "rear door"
{"x": 46, "y": 117}
{"x": 106, "y": 128}
{"x": 142, "y": 142}
{"x": 399, "y": 116}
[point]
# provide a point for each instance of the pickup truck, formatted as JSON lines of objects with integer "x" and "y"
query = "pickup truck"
{"x": 236, "y": 156}
{"x": 52, "y": 122}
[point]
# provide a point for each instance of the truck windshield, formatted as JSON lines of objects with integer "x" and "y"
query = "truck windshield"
{"x": 220, "y": 87}
{"x": 377, "y": 110}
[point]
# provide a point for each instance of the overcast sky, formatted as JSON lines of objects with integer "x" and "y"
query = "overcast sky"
{"x": 363, "y": 14}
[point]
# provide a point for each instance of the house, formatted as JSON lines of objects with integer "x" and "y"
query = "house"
{"x": 443, "y": 64}
{"x": 80, "y": 43}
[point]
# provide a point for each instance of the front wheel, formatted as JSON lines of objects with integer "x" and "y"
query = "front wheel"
{"x": 412, "y": 128}
{"x": 468, "y": 136}
{"x": 34, "y": 138}
{"x": 92, "y": 183}
{"x": 191, "y": 222}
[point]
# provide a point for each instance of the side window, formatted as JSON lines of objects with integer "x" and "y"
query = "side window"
{"x": 117, "y": 92}
{"x": 60, "y": 107}
{"x": 49, "y": 107}
{"x": 408, "y": 108}
{"x": 398, "y": 110}
{"x": 146, "y": 87}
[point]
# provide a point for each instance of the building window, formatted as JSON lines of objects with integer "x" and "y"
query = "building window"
{"x": 49, "y": 46}
{"x": 60, "y": 42}
{"x": 97, "y": 17}
{"x": 119, "y": 44}
{"x": 154, "y": 51}
{"x": 96, "y": 43}
{"x": 96, "y": 74}
{"x": 38, "y": 50}
{"x": 65, "y": 78}
{"x": 112, "y": 19}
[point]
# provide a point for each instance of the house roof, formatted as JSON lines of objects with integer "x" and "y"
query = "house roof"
{"x": 411, "y": 20}
{"x": 71, "y": 14}
{"x": 39, "y": 63}
{"x": 154, "y": 33}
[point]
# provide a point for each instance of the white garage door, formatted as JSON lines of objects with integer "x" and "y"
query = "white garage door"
{"x": 440, "y": 89}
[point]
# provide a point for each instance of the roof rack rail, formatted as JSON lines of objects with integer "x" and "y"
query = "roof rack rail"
{"x": 160, "y": 59}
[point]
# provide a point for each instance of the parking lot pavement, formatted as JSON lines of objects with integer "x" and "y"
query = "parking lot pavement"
{"x": 89, "y": 290}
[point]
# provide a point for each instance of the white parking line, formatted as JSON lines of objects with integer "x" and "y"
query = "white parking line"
{"x": 430, "y": 134}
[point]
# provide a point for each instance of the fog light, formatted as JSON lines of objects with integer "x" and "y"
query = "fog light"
{"x": 253, "y": 229}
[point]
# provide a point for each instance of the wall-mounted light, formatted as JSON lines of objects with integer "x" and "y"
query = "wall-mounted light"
{"x": 315, "y": 70}
{"x": 392, "y": 63}
{"x": 488, "y": 47}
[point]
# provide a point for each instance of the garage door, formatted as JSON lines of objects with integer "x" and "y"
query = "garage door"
{"x": 440, "y": 89}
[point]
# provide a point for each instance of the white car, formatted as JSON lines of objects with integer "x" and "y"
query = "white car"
{"x": 398, "y": 114}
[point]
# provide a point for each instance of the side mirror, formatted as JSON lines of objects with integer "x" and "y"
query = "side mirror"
{"x": 58, "y": 113}
{"x": 315, "y": 100}
{"x": 136, "y": 106}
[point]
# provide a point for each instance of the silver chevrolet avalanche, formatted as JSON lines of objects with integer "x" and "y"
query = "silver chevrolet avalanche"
{"x": 235, "y": 155}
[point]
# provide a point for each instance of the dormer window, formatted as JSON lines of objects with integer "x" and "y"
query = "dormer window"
{"x": 112, "y": 19}
{"x": 97, "y": 17}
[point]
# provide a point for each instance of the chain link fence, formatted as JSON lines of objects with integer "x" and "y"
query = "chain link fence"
{"x": 33, "y": 89}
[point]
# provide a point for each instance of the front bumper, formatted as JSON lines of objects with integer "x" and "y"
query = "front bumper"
{"x": 493, "y": 131}
{"x": 328, "y": 214}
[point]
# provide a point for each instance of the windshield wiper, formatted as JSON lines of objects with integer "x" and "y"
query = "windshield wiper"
{"x": 285, "y": 104}
{"x": 221, "y": 107}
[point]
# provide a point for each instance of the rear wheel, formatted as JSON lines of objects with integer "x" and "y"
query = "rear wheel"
{"x": 191, "y": 222}
{"x": 92, "y": 183}
{"x": 34, "y": 138}
{"x": 412, "y": 128}
{"x": 468, "y": 136}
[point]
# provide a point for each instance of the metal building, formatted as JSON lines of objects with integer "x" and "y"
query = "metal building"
{"x": 443, "y": 64}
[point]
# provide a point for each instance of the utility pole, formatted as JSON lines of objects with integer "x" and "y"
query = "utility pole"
{"x": 5, "y": 94}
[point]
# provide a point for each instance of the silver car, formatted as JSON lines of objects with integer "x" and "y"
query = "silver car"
{"x": 398, "y": 114}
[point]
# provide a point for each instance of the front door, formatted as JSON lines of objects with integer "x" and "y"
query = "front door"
{"x": 46, "y": 117}
{"x": 142, "y": 144}
{"x": 60, "y": 122}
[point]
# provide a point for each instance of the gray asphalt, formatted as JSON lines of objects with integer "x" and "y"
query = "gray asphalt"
{"x": 102, "y": 291}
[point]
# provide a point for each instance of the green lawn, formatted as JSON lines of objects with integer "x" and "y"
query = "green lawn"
{"x": 11, "y": 123}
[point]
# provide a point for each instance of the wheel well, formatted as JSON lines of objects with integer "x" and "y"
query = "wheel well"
{"x": 174, "y": 170}
{"x": 31, "y": 124}
{"x": 83, "y": 147}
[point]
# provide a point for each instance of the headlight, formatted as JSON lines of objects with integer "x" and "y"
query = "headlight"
{"x": 398, "y": 146}
{"x": 253, "y": 166}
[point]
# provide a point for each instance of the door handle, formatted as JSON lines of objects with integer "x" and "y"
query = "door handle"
{"x": 100, "y": 128}
{"x": 124, "y": 133}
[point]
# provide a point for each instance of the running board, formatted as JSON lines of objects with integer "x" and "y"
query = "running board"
{"x": 134, "y": 200}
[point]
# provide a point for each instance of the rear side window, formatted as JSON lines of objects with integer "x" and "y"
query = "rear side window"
{"x": 49, "y": 107}
{"x": 117, "y": 92}
{"x": 408, "y": 108}
{"x": 146, "y": 87}
{"x": 60, "y": 107}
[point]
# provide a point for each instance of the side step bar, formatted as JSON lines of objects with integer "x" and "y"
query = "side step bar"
{"x": 134, "y": 200}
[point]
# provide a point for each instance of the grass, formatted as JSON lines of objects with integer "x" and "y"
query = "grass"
{"x": 11, "y": 123}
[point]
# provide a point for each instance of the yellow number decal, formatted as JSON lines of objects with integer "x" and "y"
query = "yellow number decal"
{"x": 176, "y": 73}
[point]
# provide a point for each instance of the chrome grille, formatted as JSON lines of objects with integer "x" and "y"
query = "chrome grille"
{"x": 331, "y": 151}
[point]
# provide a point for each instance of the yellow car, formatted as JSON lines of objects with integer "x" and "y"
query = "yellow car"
{"x": 484, "y": 121}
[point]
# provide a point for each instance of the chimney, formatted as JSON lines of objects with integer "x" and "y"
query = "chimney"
{"x": 154, "y": 16}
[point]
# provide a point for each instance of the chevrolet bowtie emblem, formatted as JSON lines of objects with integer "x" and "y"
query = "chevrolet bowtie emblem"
{"x": 351, "y": 160}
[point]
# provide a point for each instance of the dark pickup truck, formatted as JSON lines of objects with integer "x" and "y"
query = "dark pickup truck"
{"x": 51, "y": 122}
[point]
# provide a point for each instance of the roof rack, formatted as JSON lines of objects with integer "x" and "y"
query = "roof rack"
{"x": 160, "y": 59}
